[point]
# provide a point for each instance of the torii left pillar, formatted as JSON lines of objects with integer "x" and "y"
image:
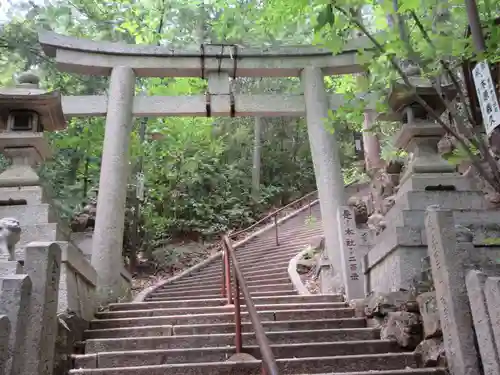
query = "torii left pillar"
{"x": 110, "y": 216}
{"x": 327, "y": 169}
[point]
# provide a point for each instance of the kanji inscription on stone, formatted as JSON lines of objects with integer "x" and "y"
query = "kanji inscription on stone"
{"x": 353, "y": 276}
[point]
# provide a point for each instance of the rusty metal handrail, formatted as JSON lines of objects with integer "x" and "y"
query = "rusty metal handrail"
{"x": 274, "y": 215}
{"x": 268, "y": 360}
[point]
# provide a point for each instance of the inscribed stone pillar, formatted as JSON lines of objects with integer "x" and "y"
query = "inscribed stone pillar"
{"x": 4, "y": 342}
{"x": 43, "y": 265}
{"x": 475, "y": 282}
{"x": 354, "y": 279}
{"x": 326, "y": 161}
{"x": 108, "y": 234}
{"x": 15, "y": 303}
{"x": 492, "y": 293}
{"x": 451, "y": 295}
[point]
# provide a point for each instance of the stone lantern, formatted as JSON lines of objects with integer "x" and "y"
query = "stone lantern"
{"x": 419, "y": 136}
{"x": 26, "y": 112}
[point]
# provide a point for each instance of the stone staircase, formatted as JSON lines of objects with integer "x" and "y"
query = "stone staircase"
{"x": 184, "y": 327}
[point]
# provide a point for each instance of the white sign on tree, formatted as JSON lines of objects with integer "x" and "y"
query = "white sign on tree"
{"x": 139, "y": 188}
{"x": 487, "y": 96}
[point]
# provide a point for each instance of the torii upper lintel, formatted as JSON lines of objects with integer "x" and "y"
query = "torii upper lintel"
{"x": 84, "y": 56}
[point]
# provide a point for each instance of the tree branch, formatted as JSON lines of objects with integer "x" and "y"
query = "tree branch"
{"x": 475, "y": 161}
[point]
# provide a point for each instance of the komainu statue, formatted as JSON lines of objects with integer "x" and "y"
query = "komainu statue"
{"x": 10, "y": 234}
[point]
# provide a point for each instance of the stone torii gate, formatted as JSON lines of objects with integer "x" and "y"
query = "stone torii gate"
{"x": 219, "y": 65}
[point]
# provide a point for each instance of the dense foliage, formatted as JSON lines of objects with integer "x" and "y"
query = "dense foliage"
{"x": 198, "y": 175}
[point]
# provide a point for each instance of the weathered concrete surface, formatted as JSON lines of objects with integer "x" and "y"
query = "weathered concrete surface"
{"x": 43, "y": 266}
{"x": 449, "y": 281}
{"x": 475, "y": 282}
{"x": 15, "y": 299}
{"x": 4, "y": 342}
{"x": 92, "y": 57}
{"x": 195, "y": 105}
{"x": 326, "y": 161}
{"x": 110, "y": 218}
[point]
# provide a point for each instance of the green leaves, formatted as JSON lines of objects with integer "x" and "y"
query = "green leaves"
{"x": 325, "y": 17}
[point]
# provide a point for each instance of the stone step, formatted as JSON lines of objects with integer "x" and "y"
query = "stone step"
{"x": 213, "y": 340}
{"x": 217, "y": 279}
{"x": 314, "y": 365}
{"x": 194, "y": 355}
{"x": 271, "y": 326}
{"x": 264, "y": 286}
{"x": 308, "y": 299}
{"x": 217, "y": 283}
{"x": 279, "y": 258}
{"x": 205, "y": 329}
{"x": 221, "y": 317}
{"x": 207, "y": 296}
{"x": 154, "y": 311}
{"x": 264, "y": 247}
{"x": 213, "y": 289}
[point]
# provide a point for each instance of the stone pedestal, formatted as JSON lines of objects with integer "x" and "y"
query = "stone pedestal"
{"x": 395, "y": 261}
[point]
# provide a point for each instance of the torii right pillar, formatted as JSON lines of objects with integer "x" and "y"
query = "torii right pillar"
{"x": 327, "y": 168}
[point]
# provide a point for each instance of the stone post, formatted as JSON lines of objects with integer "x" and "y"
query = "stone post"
{"x": 475, "y": 282}
{"x": 492, "y": 293}
{"x": 43, "y": 266}
{"x": 4, "y": 342}
{"x": 15, "y": 303}
{"x": 451, "y": 295}
{"x": 109, "y": 226}
{"x": 354, "y": 278}
{"x": 326, "y": 161}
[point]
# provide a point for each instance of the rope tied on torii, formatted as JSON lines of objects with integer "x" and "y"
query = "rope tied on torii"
{"x": 233, "y": 55}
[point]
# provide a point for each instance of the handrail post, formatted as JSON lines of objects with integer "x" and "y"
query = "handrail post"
{"x": 227, "y": 267}
{"x": 224, "y": 256}
{"x": 238, "y": 343}
{"x": 276, "y": 229}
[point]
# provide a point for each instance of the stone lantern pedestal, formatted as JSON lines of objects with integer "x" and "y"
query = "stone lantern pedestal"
{"x": 396, "y": 256}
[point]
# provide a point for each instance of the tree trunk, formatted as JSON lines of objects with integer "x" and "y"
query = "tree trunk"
{"x": 371, "y": 143}
{"x": 256, "y": 159}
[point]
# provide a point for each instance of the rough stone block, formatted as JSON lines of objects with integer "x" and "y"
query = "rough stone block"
{"x": 475, "y": 282}
{"x": 431, "y": 352}
{"x": 449, "y": 281}
{"x": 381, "y": 304}
{"x": 449, "y": 200}
{"x": 43, "y": 265}
{"x": 30, "y": 214}
{"x": 419, "y": 182}
{"x": 10, "y": 268}
{"x": 4, "y": 342}
{"x": 430, "y": 315}
{"x": 416, "y": 218}
{"x": 15, "y": 304}
{"x": 404, "y": 327}
{"x": 48, "y": 232}
{"x": 32, "y": 195}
